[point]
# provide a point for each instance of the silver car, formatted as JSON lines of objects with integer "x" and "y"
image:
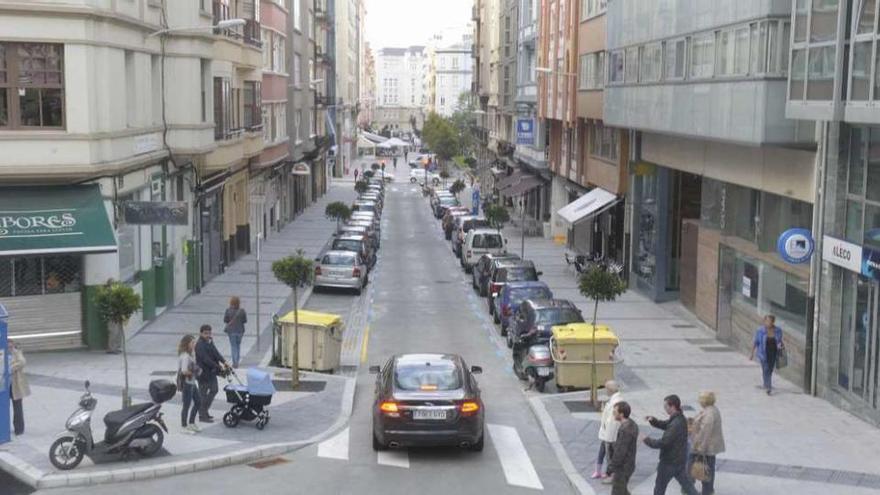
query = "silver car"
{"x": 342, "y": 269}
{"x": 366, "y": 206}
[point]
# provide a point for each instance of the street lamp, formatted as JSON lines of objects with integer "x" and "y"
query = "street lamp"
{"x": 224, "y": 24}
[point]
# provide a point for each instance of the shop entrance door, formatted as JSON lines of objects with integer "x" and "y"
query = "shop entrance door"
{"x": 860, "y": 339}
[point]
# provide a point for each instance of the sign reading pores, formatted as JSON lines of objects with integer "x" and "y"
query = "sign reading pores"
{"x": 842, "y": 253}
{"x": 37, "y": 223}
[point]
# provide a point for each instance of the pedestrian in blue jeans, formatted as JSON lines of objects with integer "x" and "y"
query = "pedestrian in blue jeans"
{"x": 766, "y": 346}
{"x": 235, "y": 318}
{"x": 187, "y": 370}
{"x": 673, "y": 446}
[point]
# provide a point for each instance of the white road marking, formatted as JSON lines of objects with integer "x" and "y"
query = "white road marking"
{"x": 396, "y": 458}
{"x": 335, "y": 447}
{"x": 518, "y": 468}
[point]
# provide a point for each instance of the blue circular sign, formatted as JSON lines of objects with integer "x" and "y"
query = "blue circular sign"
{"x": 796, "y": 246}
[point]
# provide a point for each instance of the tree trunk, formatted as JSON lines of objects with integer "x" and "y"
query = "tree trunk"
{"x": 594, "y": 395}
{"x": 294, "y": 360}
{"x": 126, "y": 398}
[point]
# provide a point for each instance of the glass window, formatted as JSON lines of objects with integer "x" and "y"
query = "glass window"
{"x": 872, "y": 188}
{"x": 632, "y": 65}
{"x": 741, "y": 51}
{"x": 702, "y": 56}
{"x": 31, "y": 81}
{"x": 861, "y": 72}
{"x": 823, "y": 26}
{"x": 854, "y": 221}
{"x": 585, "y": 61}
{"x": 846, "y": 328}
{"x": 615, "y": 74}
{"x": 798, "y": 74}
{"x": 759, "y": 44}
{"x": 866, "y": 17}
{"x": 723, "y": 51}
{"x": 675, "y": 58}
{"x": 712, "y": 203}
{"x": 857, "y": 145}
{"x": 872, "y": 225}
{"x": 651, "y": 62}
{"x": 821, "y": 73}
{"x": 800, "y": 20}
{"x": 439, "y": 375}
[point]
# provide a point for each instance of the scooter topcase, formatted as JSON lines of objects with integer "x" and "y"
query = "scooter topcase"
{"x": 162, "y": 390}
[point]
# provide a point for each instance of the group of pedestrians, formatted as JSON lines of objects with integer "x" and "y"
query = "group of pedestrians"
{"x": 688, "y": 446}
{"x": 200, "y": 364}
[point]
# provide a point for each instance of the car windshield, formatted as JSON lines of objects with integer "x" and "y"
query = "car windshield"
{"x": 338, "y": 259}
{"x": 557, "y": 316}
{"x": 524, "y": 273}
{"x": 347, "y": 245}
{"x": 448, "y": 200}
{"x": 474, "y": 224}
{"x": 521, "y": 294}
{"x": 437, "y": 375}
{"x": 487, "y": 241}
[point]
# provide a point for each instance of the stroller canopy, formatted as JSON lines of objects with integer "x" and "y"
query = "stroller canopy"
{"x": 259, "y": 382}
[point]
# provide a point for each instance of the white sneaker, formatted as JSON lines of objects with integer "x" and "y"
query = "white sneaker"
{"x": 186, "y": 430}
{"x": 194, "y": 428}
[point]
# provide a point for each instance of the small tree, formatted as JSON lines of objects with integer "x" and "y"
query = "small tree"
{"x": 361, "y": 186}
{"x": 457, "y": 187}
{"x": 294, "y": 271}
{"x": 338, "y": 211}
{"x": 497, "y": 216}
{"x": 116, "y": 303}
{"x": 599, "y": 285}
{"x": 444, "y": 175}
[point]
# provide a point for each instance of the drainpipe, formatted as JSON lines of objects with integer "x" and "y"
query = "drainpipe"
{"x": 811, "y": 352}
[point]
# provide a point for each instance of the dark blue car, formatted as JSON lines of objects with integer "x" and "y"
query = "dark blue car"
{"x": 513, "y": 294}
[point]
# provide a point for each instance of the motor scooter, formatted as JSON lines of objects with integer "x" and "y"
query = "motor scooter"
{"x": 134, "y": 429}
{"x": 532, "y": 361}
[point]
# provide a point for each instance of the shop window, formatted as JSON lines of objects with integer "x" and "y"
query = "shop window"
{"x": 854, "y": 221}
{"x": 761, "y": 289}
{"x": 712, "y": 204}
{"x": 779, "y": 214}
{"x": 741, "y": 212}
{"x": 35, "y": 275}
{"x": 872, "y": 226}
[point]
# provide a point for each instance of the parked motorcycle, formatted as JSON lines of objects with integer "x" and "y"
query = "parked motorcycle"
{"x": 534, "y": 364}
{"x": 134, "y": 429}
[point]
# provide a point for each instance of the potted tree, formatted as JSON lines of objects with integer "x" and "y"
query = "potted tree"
{"x": 599, "y": 285}
{"x": 338, "y": 211}
{"x": 457, "y": 187}
{"x": 116, "y": 303}
{"x": 497, "y": 216}
{"x": 361, "y": 186}
{"x": 444, "y": 175}
{"x": 294, "y": 271}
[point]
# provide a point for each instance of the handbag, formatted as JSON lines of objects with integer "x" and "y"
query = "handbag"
{"x": 781, "y": 359}
{"x": 700, "y": 469}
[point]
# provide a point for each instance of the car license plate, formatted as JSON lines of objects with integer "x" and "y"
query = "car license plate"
{"x": 543, "y": 371}
{"x": 429, "y": 414}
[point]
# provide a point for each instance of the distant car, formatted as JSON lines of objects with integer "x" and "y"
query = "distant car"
{"x": 479, "y": 242}
{"x": 355, "y": 244}
{"x": 512, "y": 295}
{"x": 427, "y": 400}
{"x": 463, "y": 225}
{"x": 342, "y": 269}
{"x": 387, "y": 176}
{"x": 482, "y": 270}
{"x": 419, "y": 176}
{"x": 542, "y": 315}
{"x": 443, "y": 203}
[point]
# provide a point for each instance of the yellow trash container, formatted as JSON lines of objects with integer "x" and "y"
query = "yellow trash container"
{"x": 572, "y": 354}
{"x": 319, "y": 339}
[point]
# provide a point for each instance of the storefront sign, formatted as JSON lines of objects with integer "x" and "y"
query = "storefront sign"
{"x": 796, "y": 246}
{"x": 156, "y": 213}
{"x": 842, "y": 253}
{"x": 525, "y": 131}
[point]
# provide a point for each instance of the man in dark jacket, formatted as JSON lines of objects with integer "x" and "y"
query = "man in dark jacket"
{"x": 210, "y": 361}
{"x": 623, "y": 454}
{"x": 673, "y": 448}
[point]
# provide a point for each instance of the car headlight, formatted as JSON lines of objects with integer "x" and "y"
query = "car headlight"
{"x": 77, "y": 419}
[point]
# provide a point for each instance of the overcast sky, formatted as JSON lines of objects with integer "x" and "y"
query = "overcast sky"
{"x": 410, "y": 22}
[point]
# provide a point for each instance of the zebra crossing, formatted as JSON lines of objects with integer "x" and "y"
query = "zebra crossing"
{"x": 503, "y": 440}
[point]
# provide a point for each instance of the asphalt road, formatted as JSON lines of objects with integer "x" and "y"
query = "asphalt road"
{"x": 420, "y": 301}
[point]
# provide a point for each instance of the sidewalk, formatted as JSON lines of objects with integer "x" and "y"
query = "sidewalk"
{"x": 56, "y": 378}
{"x": 786, "y": 443}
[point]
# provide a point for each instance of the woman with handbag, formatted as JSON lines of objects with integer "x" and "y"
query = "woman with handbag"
{"x": 768, "y": 347}
{"x": 708, "y": 441}
{"x": 187, "y": 372}
{"x": 235, "y": 318}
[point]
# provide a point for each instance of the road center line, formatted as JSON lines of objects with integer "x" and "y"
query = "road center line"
{"x": 335, "y": 447}
{"x": 515, "y": 462}
{"x": 396, "y": 458}
{"x": 364, "y": 344}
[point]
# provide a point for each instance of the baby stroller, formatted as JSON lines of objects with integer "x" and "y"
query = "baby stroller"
{"x": 249, "y": 401}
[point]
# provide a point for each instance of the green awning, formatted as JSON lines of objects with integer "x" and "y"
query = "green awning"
{"x": 54, "y": 219}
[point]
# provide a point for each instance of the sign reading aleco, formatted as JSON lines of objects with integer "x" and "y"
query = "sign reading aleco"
{"x": 855, "y": 258}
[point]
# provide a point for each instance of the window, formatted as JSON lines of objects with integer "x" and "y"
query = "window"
{"x": 267, "y": 123}
{"x": 861, "y": 72}
{"x": 632, "y": 64}
{"x": 280, "y": 127}
{"x": 823, "y": 24}
{"x": 741, "y": 50}
{"x": 702, "y": 56}
{"x": 279, "y": 62}
{"x": 723, "y": 54}
{"x": 297, "y": 15}
{"x": 604, "y": 142}
{"x": 615, "y": 69}
{"x": 206, "y": 81}
{"x": 592, "y": 8}
{"x": 820, "y": 84}
{"x": 582, "y": 76}
{"x": 38, "y": 275}
{"x": 267, "y": 50}
{"x": 223, "y": 115}
{"x": 251, "y": 101}
{"x": 592, "y": 70}
{"x": 651, "y": 61}
{"x": 297, "y": 73}
{"x": 31, "y": 85}
{"x": 676, "y": 51}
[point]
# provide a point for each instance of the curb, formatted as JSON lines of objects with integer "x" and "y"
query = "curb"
{"x": 574, "y": 477}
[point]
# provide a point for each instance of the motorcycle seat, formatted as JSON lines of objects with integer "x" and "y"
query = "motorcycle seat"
{"x": 114, "y": 419}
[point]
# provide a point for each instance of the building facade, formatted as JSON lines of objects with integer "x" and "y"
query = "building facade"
{"x": 401, "y": 94}
{"x": 349, "y": 42}
{"x": 451, "y": 75}
{"x": 367, "y": 90}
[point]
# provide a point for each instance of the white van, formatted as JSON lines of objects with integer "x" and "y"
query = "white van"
{"x": 479, "y": 242}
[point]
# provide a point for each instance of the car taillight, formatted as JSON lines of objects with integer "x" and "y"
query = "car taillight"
{"x": 390, "y": 408}
{"x": 469, "y": 408}
{"x": 317, "y": 270}
{"x": 356, "y": 272}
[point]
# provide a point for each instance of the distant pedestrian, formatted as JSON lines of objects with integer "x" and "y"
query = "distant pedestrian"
{"x": 708, "y": 438}
{"x": 235, "y": 318}
{"x": 355, "y": 175}
{"x": 406, "y": 156}
{"x": 622, "y": 462}
{"x": 187, "y": 371}
{"x": 673, "y": 447}
{"x": 19, "y": 389}
{"x": 210, "y": 361}
{"x": 607, "y": 427}
{"x": 395, "y": 163}
{"x": 766, "y": 346}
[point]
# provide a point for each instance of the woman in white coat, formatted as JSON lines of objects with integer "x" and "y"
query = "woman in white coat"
{"x": 19, "y": 388}
{"x": 607, "y": 428}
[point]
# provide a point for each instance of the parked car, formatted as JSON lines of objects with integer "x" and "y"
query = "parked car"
{"x": 479, "y": 242}
{"x": 356, "y": 244}
{"x": 463, "y": 225}
{"x": 542, "y": 315}
{"x": 369, "y": 196}
{"x": 370, "y": 216}
{"x": 418, "y": 176}
{"x": 427, "y": 400}
{"x": 343, "y": 269}
{"x": 443, "y": 204}
{"x": 365, "y": 230}
{"x": 366, "y": 206}
{"x": 372, "y": 232}
{"x": 482, "y": 270}
{"x": 450, "y": 216}
{"x": 502, "y": 272}
{"x": 512, "y": 295}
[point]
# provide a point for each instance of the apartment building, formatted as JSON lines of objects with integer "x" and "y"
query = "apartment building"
{"x": 451, "y": 74}
{"x": 349, "y": 41}
{"x": 486, "y": 14}
{"x": 717, "y": 171}
{"x": 401, "y": 94}
{"x": 367, "y": 89}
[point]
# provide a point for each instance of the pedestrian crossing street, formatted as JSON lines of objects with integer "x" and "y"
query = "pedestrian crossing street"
{"x": 503, "y": 440}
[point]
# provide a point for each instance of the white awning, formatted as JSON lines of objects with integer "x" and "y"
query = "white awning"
{"x": 593, "y": 203}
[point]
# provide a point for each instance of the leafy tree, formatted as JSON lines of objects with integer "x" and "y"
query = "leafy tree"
{"x": 116, "y": 303}
{"x": 465, "y": 122}
{"x": 338, "y": 211}
{"x": 497, "y": 216}
{"x": 457, "y": 187}
{"x": 441, "y": 136}
{"x": 599, "y": 285}
{"x": 361, "y": 186}
{"x": 444, "y": 175}
{"x": 295, "y": 272}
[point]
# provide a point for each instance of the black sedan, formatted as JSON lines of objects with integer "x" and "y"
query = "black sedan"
{"x": 540, "y": 316}
{"x": 427, "y": 400}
